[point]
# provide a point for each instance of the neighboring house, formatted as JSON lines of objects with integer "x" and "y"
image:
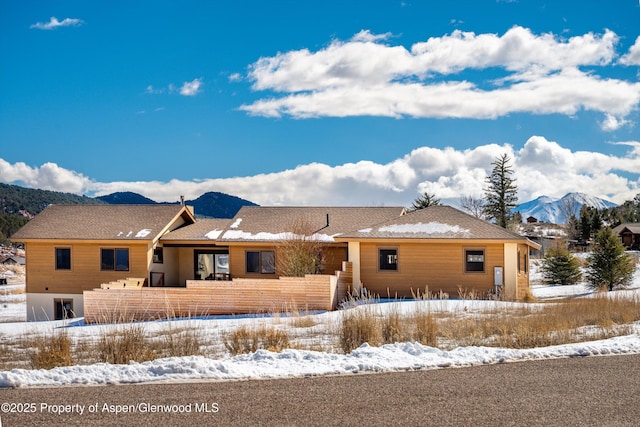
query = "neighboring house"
{"x": 629, "y": 235}
{"x": 12, "y": 260}
{"x": 71, "y": 249}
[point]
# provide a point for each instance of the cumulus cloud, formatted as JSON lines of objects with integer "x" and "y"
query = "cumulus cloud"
{"x": 633, "y": 56}
{"x": 191, "y": 88}
{"x": 366, "y": 76}
{"x": 541, "y": 167}
{"x": 54, "y": 23}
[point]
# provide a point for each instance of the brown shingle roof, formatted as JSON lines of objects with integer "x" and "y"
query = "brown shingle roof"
{"x": 633, "y": 227}
{"x": 269, "y": 223}
{"x": 434, "y": 222}
{"x": 101, "y": 222}
{"x": 203, "y": 229}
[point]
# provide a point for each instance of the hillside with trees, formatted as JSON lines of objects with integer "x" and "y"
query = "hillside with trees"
{"x": 19, "y": 204}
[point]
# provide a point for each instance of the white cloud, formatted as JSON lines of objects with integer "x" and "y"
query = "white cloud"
{"x": 633, "y": 56}
{"x": 191, "y": 88}
{"x": 54, "y": 23}
{"x": 366, "y": 77}
{"x": 542, "y": 167}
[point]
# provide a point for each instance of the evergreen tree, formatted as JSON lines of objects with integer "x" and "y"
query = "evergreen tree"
{"x": 585, "y": 223}
{"x": 424, "y": 201}
{"x": 559, "y": 266}
{"x": 608, "y": 265}
{"x": 501, "y": 193}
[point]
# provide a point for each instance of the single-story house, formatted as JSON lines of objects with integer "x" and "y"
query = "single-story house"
{"x": 12, "y": 260}
{"x": 74, "y": 249}
{"x": 629, "y": 235}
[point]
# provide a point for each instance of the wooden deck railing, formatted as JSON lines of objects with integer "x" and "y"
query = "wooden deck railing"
{"x": 206, "y": 297}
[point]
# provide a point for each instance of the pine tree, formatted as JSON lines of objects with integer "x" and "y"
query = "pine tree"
{"x": 608, "y": 265}
{"x": 501, "y": 193}
{"x": 424, "y": 201}
{"x": 559, "y": 266}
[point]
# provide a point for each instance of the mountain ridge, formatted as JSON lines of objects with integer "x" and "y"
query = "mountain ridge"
{"x": 554, "y": 210}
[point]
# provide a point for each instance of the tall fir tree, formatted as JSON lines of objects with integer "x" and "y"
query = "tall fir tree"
{"x": 424, "y": 201}
{"x": 560, "y": 267}
{"x": 501, "y": 192}
{"x": 609, "y": 266}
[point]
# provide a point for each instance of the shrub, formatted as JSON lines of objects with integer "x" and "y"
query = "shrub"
{"x": 559, "y": 266}
{"x": 125, "y": 345}
{"x": 245, "y": 340}
{"x": 51, "y": 351}
{"x": 609, "y": 266}
{"x": 359, "y": 325}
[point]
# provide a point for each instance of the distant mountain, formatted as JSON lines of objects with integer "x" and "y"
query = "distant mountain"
{"x": 553, "y": 210}
{"x": 212, "y": 204}
{"x": 126, "y": 198}
{"x": 19, "y": 204}
{"x": 218, "y": 205}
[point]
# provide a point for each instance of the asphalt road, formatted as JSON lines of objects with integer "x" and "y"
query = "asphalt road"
{"x": 599, "y": 391}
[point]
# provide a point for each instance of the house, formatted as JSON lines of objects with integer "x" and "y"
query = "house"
{"x": 83, "y": 250}
{"x": 12, "y": 260}
{"x": 439, "y": 248}
{"x": 73, "y": 248}
{"x": 629, "y": 235}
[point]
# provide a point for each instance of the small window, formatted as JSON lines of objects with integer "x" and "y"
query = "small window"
{"x": 526, "y": 262}
{"x": 114, "y": 259}
{"x": 388, "y": 259}
{"x": 262, "y": 262}
{"x": 519, "y": 264}
{"x": 63, "y": 258}
{"x": 63, "y": 309}
{"x": 158, "y": 257}
{"x": 474, "y": 261}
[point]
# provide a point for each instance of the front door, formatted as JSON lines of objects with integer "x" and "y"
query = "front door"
{"x": 211, "y": 264}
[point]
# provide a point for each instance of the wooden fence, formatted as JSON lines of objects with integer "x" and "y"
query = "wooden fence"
{"x": 206, "y": 297}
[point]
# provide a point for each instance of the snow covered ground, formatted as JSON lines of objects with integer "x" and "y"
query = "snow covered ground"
{"x": 296, "y": 363}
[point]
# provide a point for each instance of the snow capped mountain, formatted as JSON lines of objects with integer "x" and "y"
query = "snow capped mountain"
{"x": 552, "y": 210}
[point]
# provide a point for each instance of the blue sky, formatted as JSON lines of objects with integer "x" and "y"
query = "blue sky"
{"x": 320, "y": 103}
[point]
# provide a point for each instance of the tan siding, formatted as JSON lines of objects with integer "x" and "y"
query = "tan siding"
{"x": 85, "y": 273}
{"x": 438, "y": 267}
{"x": 524, "y": 273}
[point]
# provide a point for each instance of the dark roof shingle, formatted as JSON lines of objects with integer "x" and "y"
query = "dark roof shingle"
{"x": 101, "y": 222}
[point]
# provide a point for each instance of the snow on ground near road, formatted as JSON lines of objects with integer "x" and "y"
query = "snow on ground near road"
{"x": 301, "y": 363}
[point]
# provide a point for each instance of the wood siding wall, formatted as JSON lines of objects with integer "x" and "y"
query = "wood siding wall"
{"x": 333, "y": 258}
{"x": 440, "y": 267}
{"x": 203, "y": 297}
{"x": 85, "y": 273}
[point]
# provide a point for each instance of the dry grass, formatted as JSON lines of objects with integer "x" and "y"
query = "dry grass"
{"x": 126, "y": 344}
{"x": 248, "y": 340}
{"x": 51, "y": 351}
{"x": 512, "y": 326}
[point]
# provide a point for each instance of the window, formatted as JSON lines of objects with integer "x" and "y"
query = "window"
{"x": 114, "y": 259}
{"x": 474, "y": 261}
{"x": 519, "y": 264}
{"x": 63, "y": 258}
{"x": 158, "y": 256}
{"x": 263, "y": 262}
{"x": 63, "y": 309}
{"x": 388, "y": 259}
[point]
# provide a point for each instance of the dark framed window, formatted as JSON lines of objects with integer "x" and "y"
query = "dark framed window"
{"x": 158, "y": 256}
{"x": 474, "y": 260}
{"x": 519, "y": 264}
{"x": 388, "y": 259}
{"x": 63, "y": 258}
{"x": 116, "y": 259}
{"x": 263, "y": 262}
{"x": 63, "y": 309}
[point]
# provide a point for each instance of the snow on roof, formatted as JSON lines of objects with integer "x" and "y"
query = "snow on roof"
{"x": 428, "y": 228}
{"x": 213, "y": 234}
{"x": 236, "y": 223}
{"x": 273, "y": 237}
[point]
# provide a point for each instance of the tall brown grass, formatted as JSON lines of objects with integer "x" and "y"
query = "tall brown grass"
{"x": 51, "y": 350}
{"x": 249, "y": 340}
